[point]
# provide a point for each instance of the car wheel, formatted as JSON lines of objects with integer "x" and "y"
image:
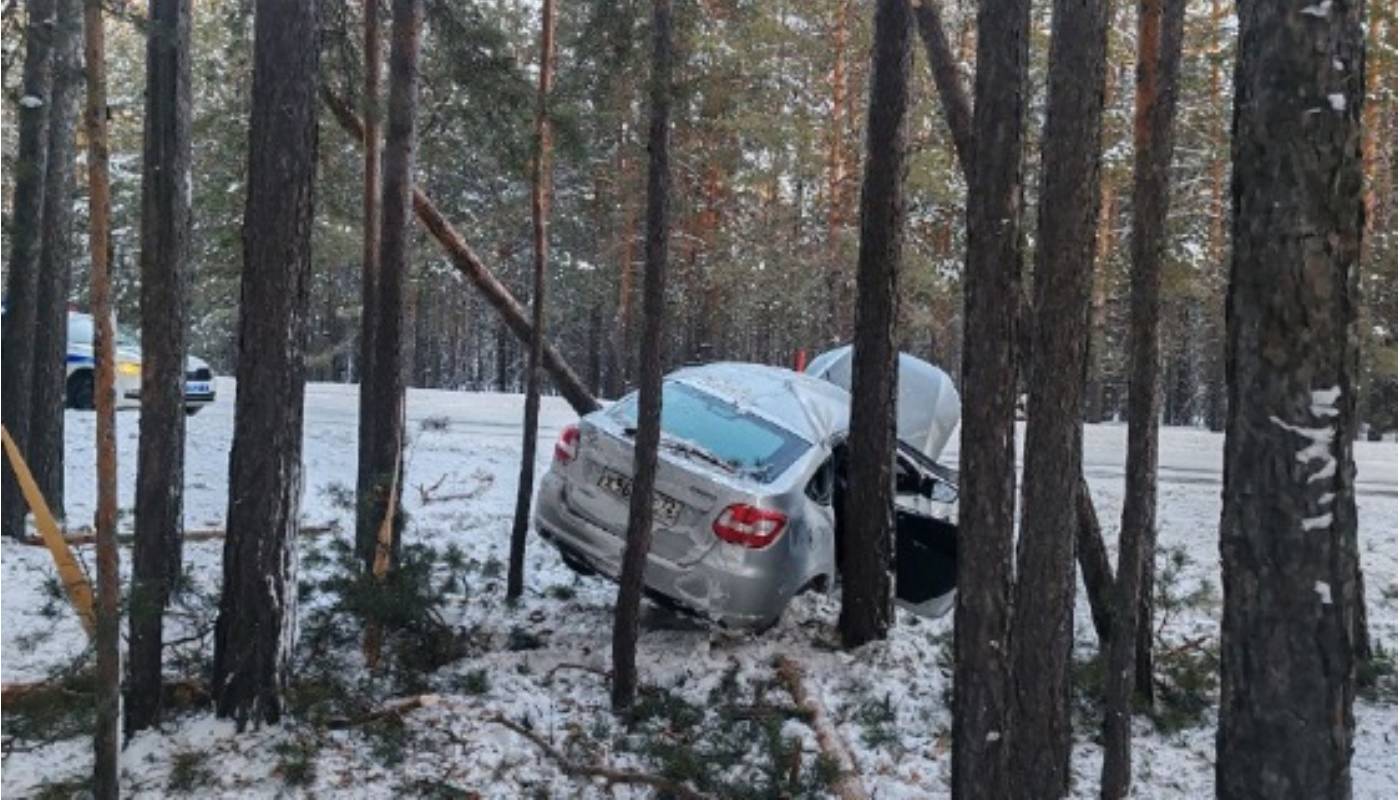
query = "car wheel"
{"x": 576, "y": 564}
{"x": 78, "y": 392}
{"x": 190, "y": 411}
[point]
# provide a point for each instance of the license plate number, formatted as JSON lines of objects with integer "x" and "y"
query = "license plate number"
{"x": 197, "y": 387}
{"x": 667, "y": 509}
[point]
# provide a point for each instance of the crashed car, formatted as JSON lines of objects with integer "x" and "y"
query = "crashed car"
{"x": 750, "y": 486}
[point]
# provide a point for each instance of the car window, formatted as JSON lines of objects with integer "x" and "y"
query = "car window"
{"x": 823, "y": 481}
{"x": 80, "y": 332}
{"x": 79, "y": 329}
{"x": 744, "y": 441}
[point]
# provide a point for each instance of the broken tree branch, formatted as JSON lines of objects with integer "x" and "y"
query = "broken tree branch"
{"x": 470, "y": 265}
{"x": 611, "y": 776}
{"x": 848, "y": 785}
{"x": 393, "y": 708}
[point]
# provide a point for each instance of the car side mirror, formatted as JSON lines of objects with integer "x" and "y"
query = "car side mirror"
{"x": 941, "y": 492}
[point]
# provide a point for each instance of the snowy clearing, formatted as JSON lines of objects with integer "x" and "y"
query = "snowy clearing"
{"x": 888, "y": 699}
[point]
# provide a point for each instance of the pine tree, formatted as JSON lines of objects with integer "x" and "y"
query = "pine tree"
{"x": 370, "y": 416}
{"x": 55, "y": 260}
{"x": 22, "y": 268}
{"x": 1288, "y": 528}
{"x": 1160, "y": 25}
{"x": 108, "y": 636}
{"x": 165, "y": 248}
{"x": 648, "y": 437}
{"x": 257, "y": 609}
{"x": 986, "y": 454}
{"x": 866, "y": 541}
{"x": 539, "y": 217}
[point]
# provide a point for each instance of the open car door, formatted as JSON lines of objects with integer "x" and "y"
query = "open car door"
{"x": 926, "y": 534}
{"x": 928, "y": 410}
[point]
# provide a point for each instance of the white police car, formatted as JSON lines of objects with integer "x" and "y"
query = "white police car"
{"x": 199, "y": 381}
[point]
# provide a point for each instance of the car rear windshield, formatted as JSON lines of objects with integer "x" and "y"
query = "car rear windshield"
{"x": 746, "y": 443}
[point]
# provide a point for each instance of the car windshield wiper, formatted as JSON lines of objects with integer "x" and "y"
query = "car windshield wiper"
{"x": 687, "y": 448}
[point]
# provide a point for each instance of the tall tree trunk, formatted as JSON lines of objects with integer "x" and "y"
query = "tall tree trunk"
{"x": 26, "y": 242}
{"x": 836, "y": 174}
{"x": 108, "y": 688}
{"x": 365, "y": 524}
{"x": 987, "y": 452}
{"x": 639, "y": 516}
{"x": 1288, "y": 546}
{"x": 866, "y": 602}
{"x": 1094, "y": 410}
{"x": 254, "y": 634}
{"x": 165, "y": 248}
{"x": 1160, "y": 25}
{"x": 1042, "y": 625}
{"x": 55, "y": 271}
{"x": 539, "y": 217}
{"x": 385, "y": 391}
{"x": 957, "y": 113}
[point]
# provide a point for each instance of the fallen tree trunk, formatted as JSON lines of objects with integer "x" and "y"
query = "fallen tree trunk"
{"x": 1094, "y": 564}
{"x": 188, "y": 536}
{"x": 847, "y": 785}
{"x": 471, "y": 266}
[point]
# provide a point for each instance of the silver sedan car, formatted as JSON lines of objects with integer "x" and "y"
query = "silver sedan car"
{"x": 748, "y": 494}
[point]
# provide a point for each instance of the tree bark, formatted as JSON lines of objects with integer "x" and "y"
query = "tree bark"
{"x": 55, "y": 259}
{"x": 165, "y": 248}
{"x": 539, "y": 217}
{"x": 866, "y": 601}
{"x": 22, "y": 280}
{"x": 1160, "y": 25}
{"x": 255, "y": 631}
{"x": 1042, "y": 625}
{"x": 385, "y": 392}
{"x": 836, "y": 174}
{"x": 987, "y": 454}
{"x": 365, "y": 524}
{"x": 466, "y": 261}
{"x": 1288, "y": 527}
{"x": 639, "y": 517}
{"x": 108, "y": 689}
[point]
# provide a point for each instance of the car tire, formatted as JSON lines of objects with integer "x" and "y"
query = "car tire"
{"x": 79, "y": 392}
{"x": 190, "y": 411}
{"x": 576, "y": 564}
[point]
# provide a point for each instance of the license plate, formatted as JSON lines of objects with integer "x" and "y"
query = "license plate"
{"x": 667, "y": 509}
{"x": 198, "y": 387}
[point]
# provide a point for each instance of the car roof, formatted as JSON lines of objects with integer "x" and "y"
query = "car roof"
{"x": 810, "y": 407}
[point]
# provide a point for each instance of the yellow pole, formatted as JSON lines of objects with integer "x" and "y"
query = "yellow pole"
{"x": 74, "y": 581}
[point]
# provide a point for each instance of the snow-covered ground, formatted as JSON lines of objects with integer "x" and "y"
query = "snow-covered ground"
{"x": 888, "y": 698}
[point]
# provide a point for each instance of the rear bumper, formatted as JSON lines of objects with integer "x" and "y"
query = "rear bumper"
{"x": 720, "y": 588}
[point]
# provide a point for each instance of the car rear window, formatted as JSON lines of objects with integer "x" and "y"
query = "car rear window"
{"x": 746, "y": 442}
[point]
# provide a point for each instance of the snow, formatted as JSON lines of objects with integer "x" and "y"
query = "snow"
{"x": 1338, "y": 101}
{"x": 31, "y": 101}
{"x": 1319, "y": 10}
{"x": 454, "y": 742}
{"x": 1324, "y": 592}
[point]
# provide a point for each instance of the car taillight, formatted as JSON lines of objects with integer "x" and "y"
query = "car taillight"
{"x": 567, "y": 447}
{"x": 746, "y": 525}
